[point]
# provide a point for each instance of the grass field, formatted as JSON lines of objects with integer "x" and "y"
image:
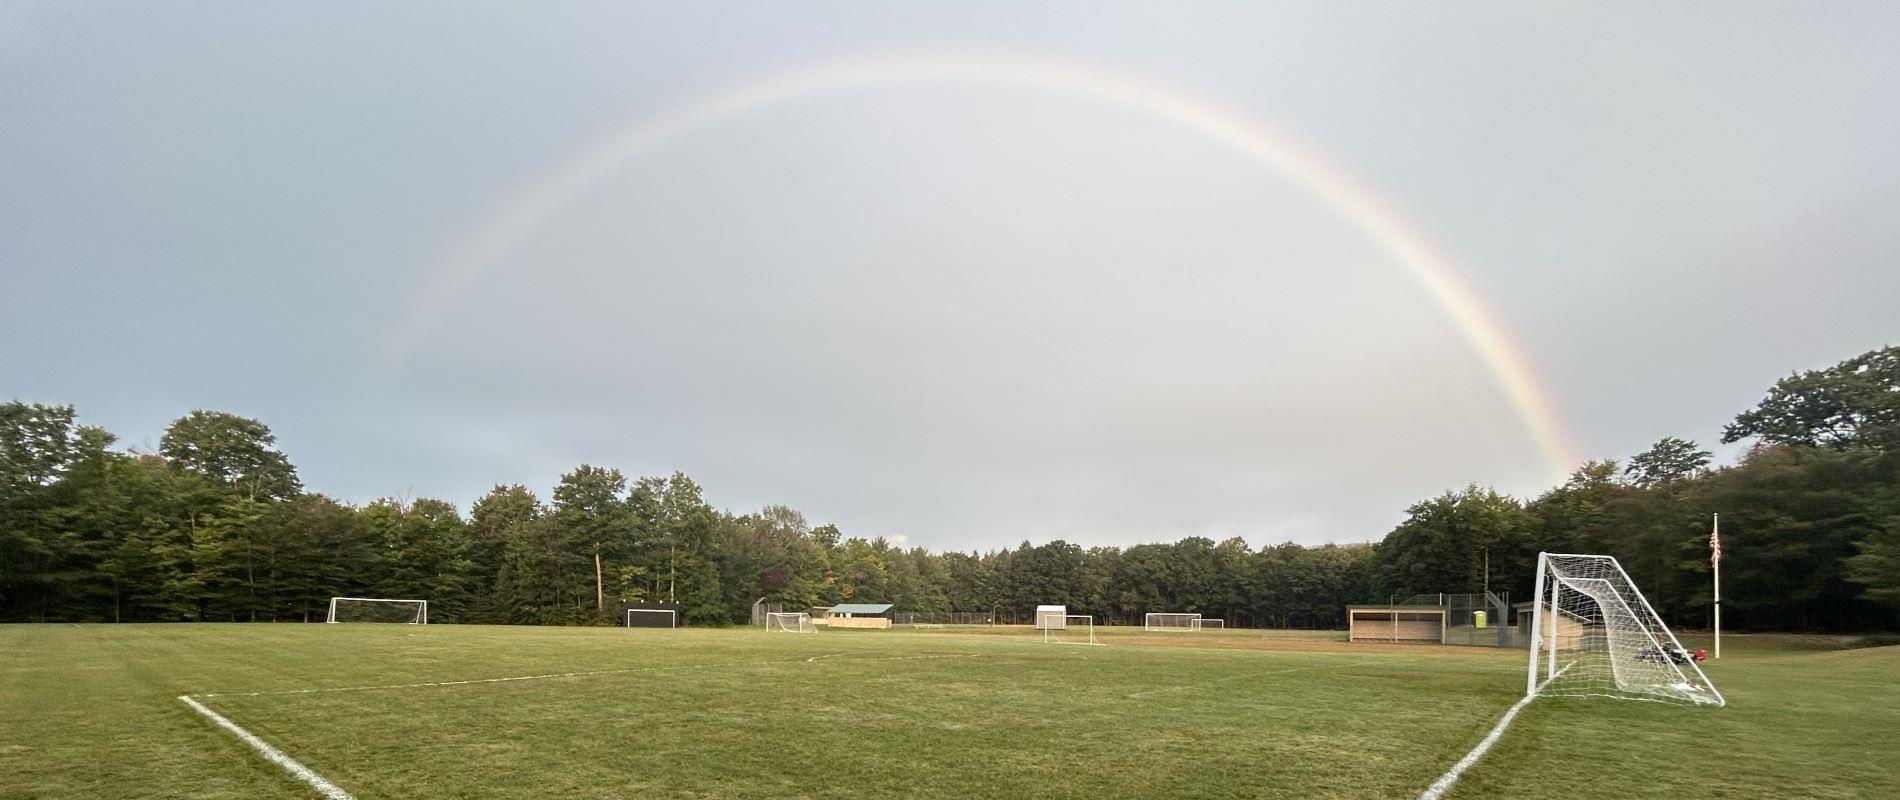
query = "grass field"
{"x": 92, "y": 712}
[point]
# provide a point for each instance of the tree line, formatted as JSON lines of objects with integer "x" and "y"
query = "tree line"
{"x": 217, "y": 525}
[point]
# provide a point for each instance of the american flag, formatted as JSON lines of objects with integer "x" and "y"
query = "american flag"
{"x": 1715, "y": 541}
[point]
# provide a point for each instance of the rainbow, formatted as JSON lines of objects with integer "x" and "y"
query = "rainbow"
{"x": 1427, "y": 266}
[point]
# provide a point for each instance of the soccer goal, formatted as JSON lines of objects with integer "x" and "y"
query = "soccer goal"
{"x": 1208, "y": 624}
{"x": 378, "y": 609}
{"x": 1075, "y": 629}
{"x": 652, "y": 618}
{"x": 790, "y": 623}
{"x": 1594, "y": 635}
{"x": 1169, "y": 621}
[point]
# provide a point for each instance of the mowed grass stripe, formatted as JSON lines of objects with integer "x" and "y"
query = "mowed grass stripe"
{"x": 91, "y": 711}
{"x": 1021, "y": 720}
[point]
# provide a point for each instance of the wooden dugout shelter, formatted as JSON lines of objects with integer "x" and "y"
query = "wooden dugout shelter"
{"x": 1402, "y": 624}
{"x": 859, "y": 615}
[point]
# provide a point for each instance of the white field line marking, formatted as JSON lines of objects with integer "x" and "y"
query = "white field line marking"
{"x": 552, "y": 675}
{"x": 461, "y": 683}
{"x": 891, "y": 658}
{"x": 921, "y": 658}
{"x": 334, "y": 792}
{"x": 1445, "y": 781}
{"x": 271, "y": 754}
{"x": 1248, "y": 675}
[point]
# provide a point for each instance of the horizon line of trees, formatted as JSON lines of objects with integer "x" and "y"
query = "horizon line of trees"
{"x": 216, "y": 525}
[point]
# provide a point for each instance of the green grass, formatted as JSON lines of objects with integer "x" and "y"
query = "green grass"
{"x": 91, "y": 712}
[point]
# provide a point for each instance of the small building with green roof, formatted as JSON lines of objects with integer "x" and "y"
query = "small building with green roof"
{"x": 859, "y": 615}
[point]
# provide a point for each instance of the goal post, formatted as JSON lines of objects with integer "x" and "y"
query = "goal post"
{"x": 378, "y": 609}
{"x": 1209, "y": 624}
{"x": 790, "y": 623}
{"x": 1593, "y": 634}
{"x": 1169, "y": 621}
{"x": 1075, "y": 629}
{"x": 651, "y": 618}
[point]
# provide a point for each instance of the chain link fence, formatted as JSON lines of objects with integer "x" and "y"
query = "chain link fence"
{"x": 1461, "y": 618}
{"x": 939, "y": 618}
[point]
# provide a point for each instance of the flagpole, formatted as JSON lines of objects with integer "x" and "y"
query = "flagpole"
{"x": 1715, "y": 544}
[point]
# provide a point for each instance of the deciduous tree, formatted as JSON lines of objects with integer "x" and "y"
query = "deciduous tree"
{"x": 1855, "y": 403}
{"x": 236, "y": 451}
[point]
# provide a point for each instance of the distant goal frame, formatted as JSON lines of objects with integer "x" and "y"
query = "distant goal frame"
{"x": 626, "y": 617}
{"x": 803, "y": 622}
{"x": 1164, "y": 622}
{"x": 421, "y": 617}
{"x": 1054, "y": 635}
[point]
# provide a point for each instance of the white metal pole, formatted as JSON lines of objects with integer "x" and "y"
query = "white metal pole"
{"x": 1715, "y": 535}
{"x": 1537, "y": 619}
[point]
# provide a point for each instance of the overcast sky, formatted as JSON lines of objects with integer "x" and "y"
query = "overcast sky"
{"x": 966, "y": 312}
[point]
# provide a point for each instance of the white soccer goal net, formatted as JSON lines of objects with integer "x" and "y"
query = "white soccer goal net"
{"x": 790, "y": 623}
{"x": 1168, "y": 621}
{"x": 1594, "y": 635}
{"x": 1075, "y": 629}
{"x": 1209, "y": 624}
{"x": 378, "y": 609}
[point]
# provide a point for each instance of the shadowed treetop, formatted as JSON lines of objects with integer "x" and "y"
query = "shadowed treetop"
{"x": 237, "y": 451}
{"x": 1855, "y": 403}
